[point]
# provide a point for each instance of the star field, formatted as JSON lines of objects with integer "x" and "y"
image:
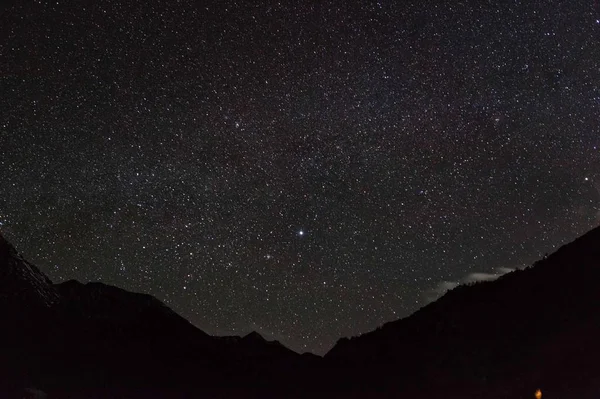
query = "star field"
{"x": 309, "y": 171}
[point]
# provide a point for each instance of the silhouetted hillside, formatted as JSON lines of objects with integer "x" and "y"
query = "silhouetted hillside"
{"x": 530, "y": 329}
{"x": 95, "y": 340}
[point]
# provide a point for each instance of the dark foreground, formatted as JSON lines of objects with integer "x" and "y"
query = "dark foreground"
{"x": 530, "y": 329}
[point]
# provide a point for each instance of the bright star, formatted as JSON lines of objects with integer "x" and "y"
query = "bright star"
{"x": 301, "y": 232}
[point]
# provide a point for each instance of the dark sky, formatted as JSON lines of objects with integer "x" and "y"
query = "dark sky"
{"x": 308, "y": 170}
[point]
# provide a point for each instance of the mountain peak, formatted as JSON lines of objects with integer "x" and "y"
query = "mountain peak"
{"x": 254, "y": 337}
{"x": 21, "y": 281}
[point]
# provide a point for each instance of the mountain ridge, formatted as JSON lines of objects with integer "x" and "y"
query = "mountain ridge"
{"x": 115, "y": 334}
{"x": 547, "y": 260}
{"x": 501, "y": 338}
{"x": 493, "y": 333}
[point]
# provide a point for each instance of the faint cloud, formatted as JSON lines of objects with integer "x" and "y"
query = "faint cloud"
{"x": 475, "y": 277}
{"x": 446, "y": 286}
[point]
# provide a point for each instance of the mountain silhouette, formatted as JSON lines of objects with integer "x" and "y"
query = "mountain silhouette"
{"x": 96, "y": 340}
{"x": 530, "y": 329}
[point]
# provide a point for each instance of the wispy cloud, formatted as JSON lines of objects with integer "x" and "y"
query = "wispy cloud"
{"x": 445, "y": 286}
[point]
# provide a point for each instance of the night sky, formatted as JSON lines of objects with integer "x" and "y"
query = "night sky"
{"x": 309, "y": 170}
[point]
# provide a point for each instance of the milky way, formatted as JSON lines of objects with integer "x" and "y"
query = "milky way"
{"x": 309, "y": 171}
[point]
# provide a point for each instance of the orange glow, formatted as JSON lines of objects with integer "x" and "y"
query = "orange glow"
{"x": 538, "y": 394}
